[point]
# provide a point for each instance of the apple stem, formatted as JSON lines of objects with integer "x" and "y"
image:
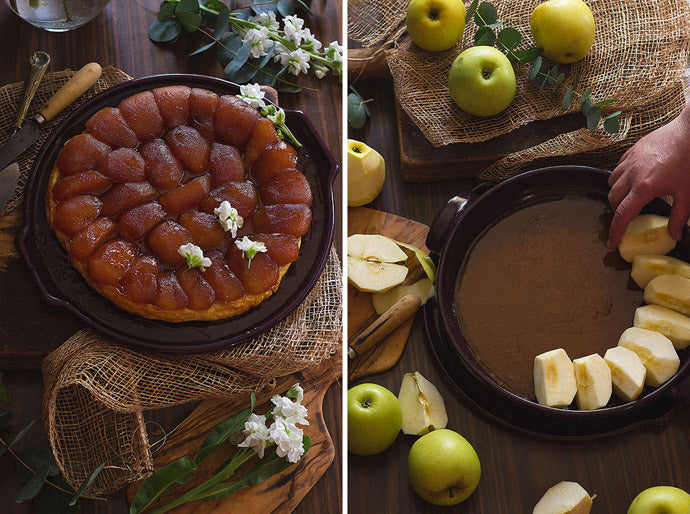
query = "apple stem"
{"x": 433, "y": 13}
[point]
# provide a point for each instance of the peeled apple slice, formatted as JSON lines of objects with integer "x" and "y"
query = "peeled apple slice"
{"x": 422, "y": 405}
{"x": 564, "y": 498}
{"x": 374, "y": 277}
{"x": 648, "y": 267}
{"x": 384, "y": 301}
{"x": 671, "y": 291}
{"x": 670, "y": 323}
{"x": 646, "y": 234}
{"x": 655, "y": 351}
{"x": 426, "y": 261}
{"x": 554, "y": 379}
{"x": 594, "y": 386}
{"x": 374, "y": 247}
{"x": 627, "y": 372}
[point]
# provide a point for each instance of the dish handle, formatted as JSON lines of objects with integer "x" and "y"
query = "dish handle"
{"x": 436, "y": 237}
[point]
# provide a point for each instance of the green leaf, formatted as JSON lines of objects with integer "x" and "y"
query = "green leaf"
{"x": 190, "y": 21}
{"x": 259, "y": 6}
{"x": 54, "y": 501}
{"x": 486, "y": 14}
{"x": 226, "y": 53}
{"x": 485, "y": 36}
{"x": 222, "y": 23}
{"x": 21, "y": 434}
{"x": 611, "y": 123}
{"x": 220, "y": 433}
{"x": 239, "y": 60}
{"x": 202, "y": 49}
{"x": 34, "y": 485}
{"x": 161, "y": 482}
{"x": 286, "y": 8}
{"x": 356, "y": 114}
{"x": 567, "y": 98}
{"x": 536, "y": 66}
{"x": 86, "y": 484}
{"x": 593, "y": 117}
{"x": 5, "y": 418}
{"x": 608, "y": 101}
{"x": 509, "y": 38}
{"x": 166, "y": 12}
{"x": 289, "y": 89}
{"x": 304, "y": 8}
{"x": 585, "y": 96}
{"x": 187, "y": 6}
{"x": 165, "y": 32}
{"x": 528, "y": 55}
{"x": 216, "y": 5}
{"x": 586, "y": 106}
{"x": 559, "y": 80}
{"x": 471, "y": 10}
{"x": 4, "y": 393}
{"x": 35, "y": 457}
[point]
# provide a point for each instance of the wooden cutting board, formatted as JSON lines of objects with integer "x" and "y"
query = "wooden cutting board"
{"x": 279, "y": 494}
{"x": 360, "y": 310}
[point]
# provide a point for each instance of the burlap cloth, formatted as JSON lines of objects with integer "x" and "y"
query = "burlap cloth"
{"x": 96, "y": 392}
{"x": 640, "y": 53}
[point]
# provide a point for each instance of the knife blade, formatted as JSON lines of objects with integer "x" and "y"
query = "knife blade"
{"x": 8, "y": 183}
{"x": 18, "y": 143}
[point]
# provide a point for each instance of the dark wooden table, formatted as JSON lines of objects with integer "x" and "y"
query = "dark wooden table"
{"x": 119, "y": 37}
{"x": 516, "y": 469}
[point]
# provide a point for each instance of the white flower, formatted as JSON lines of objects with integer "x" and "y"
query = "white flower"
{"x": 292, "y": 26}
{"x": 228, "y": 217}
{"x": 320, "y": 71}
{"x": 273, "y": 113}
{"x": 194, "y": 256}
{"x": 266, "y": 20}
{"x": 293, "y": 412}
{"x": 250, "y": 248}
{"x": 297, "y": 61}
{"x": 334, "y": 51}
{"x": 296, "y": 392}
{"x": 310, "y": 39}
{"x": 253, "y": 95}
{"x": 288, "y": 439}
{"x": 256, "y": 434}
{"x": 258, "y": 40}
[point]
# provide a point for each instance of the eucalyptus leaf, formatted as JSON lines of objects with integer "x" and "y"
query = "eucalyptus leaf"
{"x": 485, "y": 36}
{"x": 471, "y": 10}
{"x": 5, "y": 418}
{"x": 608, "y": 101}
{"x": 239, "y": 59}
{"x": 190, "y": 21}
{"x": 226, "y": 52}
{"x": 217, "y": 5}
{"x": 21, "y": 434}
{"x": 245, "y": 74}
{"x": 612, "y": 124}
{"x": 187, "y": 6}
{"x": 220, "y": 433}
{"x": 528, "y": 55}
{"x": 289, "y": 89}
{"x": 35, "y": 457}
{"x": 34, "y": 485}
{"x": 509, "y": 38}
{"x": 559, "y": 80}
{"x": 486, "y": 14}
{"x": 259, "y": 6}
{"x": 586, "y": 106}
{"x": 5, "y": 395}
{"x": 536, "y": 66}
{"x": 286, "y": 7}
{"x": 222, "y": 23}
{"x": 585, "y": 96}
{"x": 86, "y": 484}
{"x": 567, "y": 98}
{"x": 165, "y": 32}
{"x": 356, "y": 114}
{"x": 161, "y": 482}
{"x": 304, "y": 7}
{"x": 278, "y": 74}
{"x": 593, "y": 117}
{"x": 202, "y": 49}
{"x": 166, "y": 11}
{"x": 54, "y": 501}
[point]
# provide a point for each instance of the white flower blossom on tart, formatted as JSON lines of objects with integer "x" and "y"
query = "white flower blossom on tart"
{"x": 194, "y": 256}
{"x": 228, "y": 218}
{"x": 250, "y": 248}
{"x": 252, "y": 95}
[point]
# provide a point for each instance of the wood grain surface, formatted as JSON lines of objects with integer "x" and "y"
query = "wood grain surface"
{"x": 119, "y": 37}
{"x": 516, "y": 469}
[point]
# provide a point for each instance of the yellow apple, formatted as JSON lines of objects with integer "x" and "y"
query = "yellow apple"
{"x": 435, "y": 25}
{"x": 366, "y": 172}
{"x": 374, "y": 418}
{"x": 564, "y": 29}
{"x": 482, "y": 81}
{"x": 661, "y": 499}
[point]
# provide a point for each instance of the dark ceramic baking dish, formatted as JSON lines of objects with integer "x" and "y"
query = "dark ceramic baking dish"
{"x": 451, "y": 237}
{"x": 63, "y": 285}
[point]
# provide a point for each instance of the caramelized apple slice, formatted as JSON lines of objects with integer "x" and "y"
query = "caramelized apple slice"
{"x": 166, "y": 239}
{"x": 123, "y": 165}
{"x": 256, "y": 278}
{"x": 190, "y": 147}
{"x": 205, "y": 229}
{"x": 163, "y": 169}
{"x": 137, "y": 221}
{"x": 263, "y": 135}
{"x": 223, "y": 281}
{"x": 81, "y": 153}
{"x": 241, "y": 195}
{"x": 187, "y": 196}
{"x": 81, "y": 183}
{"x": 123, "y": 196}
{"x": 170, "y": 295}
{"x": 288, "y": 186}
{"x": 140, "y": 283}
{"x": 199, "y": 293}
{"x": 283, "y": 218}
{"x": 282, "y": 248}
{"x": 141, "y": 113}
{"x": 226, "y": 165}
{"x": 85, "y": 242}
{"x": 234, "y": 121}
{"x": 203, "y": 105}
{"x": 109, "y": 126}
{"x": 76, "y": 213}
{"x": 173, "y": 103}
{"x": 111, "y": 261}
{"x": 275, "y": 158}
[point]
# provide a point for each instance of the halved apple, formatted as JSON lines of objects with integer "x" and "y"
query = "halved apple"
{"x": 594, "y": 385}
{"x": 647, "y": 267}
{"x": 374, "y": 277}
{"x": 422, "y": 405}
{"x": 670, "y": 323}
{"x": 646, "y": 234}
{"x": 554, "y": 378}
{"x": 374, "y": 247}
{"x": 671, "y": 291}
{"x": 655, "y": 351}
{"x": 627, "y": 372}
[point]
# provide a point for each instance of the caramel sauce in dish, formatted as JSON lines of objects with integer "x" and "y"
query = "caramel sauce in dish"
{"x": 540, "y": 279}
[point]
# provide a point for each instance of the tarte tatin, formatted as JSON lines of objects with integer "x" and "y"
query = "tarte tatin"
{"x": 149, "y": 177}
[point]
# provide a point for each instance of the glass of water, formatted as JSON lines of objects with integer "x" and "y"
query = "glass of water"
{"x": 57, "y": 15}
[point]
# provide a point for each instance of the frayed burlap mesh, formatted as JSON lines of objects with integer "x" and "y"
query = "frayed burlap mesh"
{"x": 96, "y": 392}
{"x": 640, "y": 53}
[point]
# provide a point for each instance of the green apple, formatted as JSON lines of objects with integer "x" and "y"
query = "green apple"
{"x": 564, "y": 29}
{"x": 443, "y": 468}
{"x": 662, "y": 499}
{"x": 435, "y": 25}
{"x": 366, "y": 172}
{"x": 374, "y": 418}
{"x": 482, "y": 81}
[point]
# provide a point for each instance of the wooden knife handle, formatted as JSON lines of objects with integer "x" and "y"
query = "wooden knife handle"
{"x": 77, "y": 86}
{"x": 402, "y": 310}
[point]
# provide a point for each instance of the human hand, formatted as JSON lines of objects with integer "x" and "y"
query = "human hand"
{"x": 657, "y": 165}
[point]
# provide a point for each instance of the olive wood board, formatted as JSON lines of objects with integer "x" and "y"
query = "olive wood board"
{"x": 360, "y": 310}
{"x": 282, "y": 492}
